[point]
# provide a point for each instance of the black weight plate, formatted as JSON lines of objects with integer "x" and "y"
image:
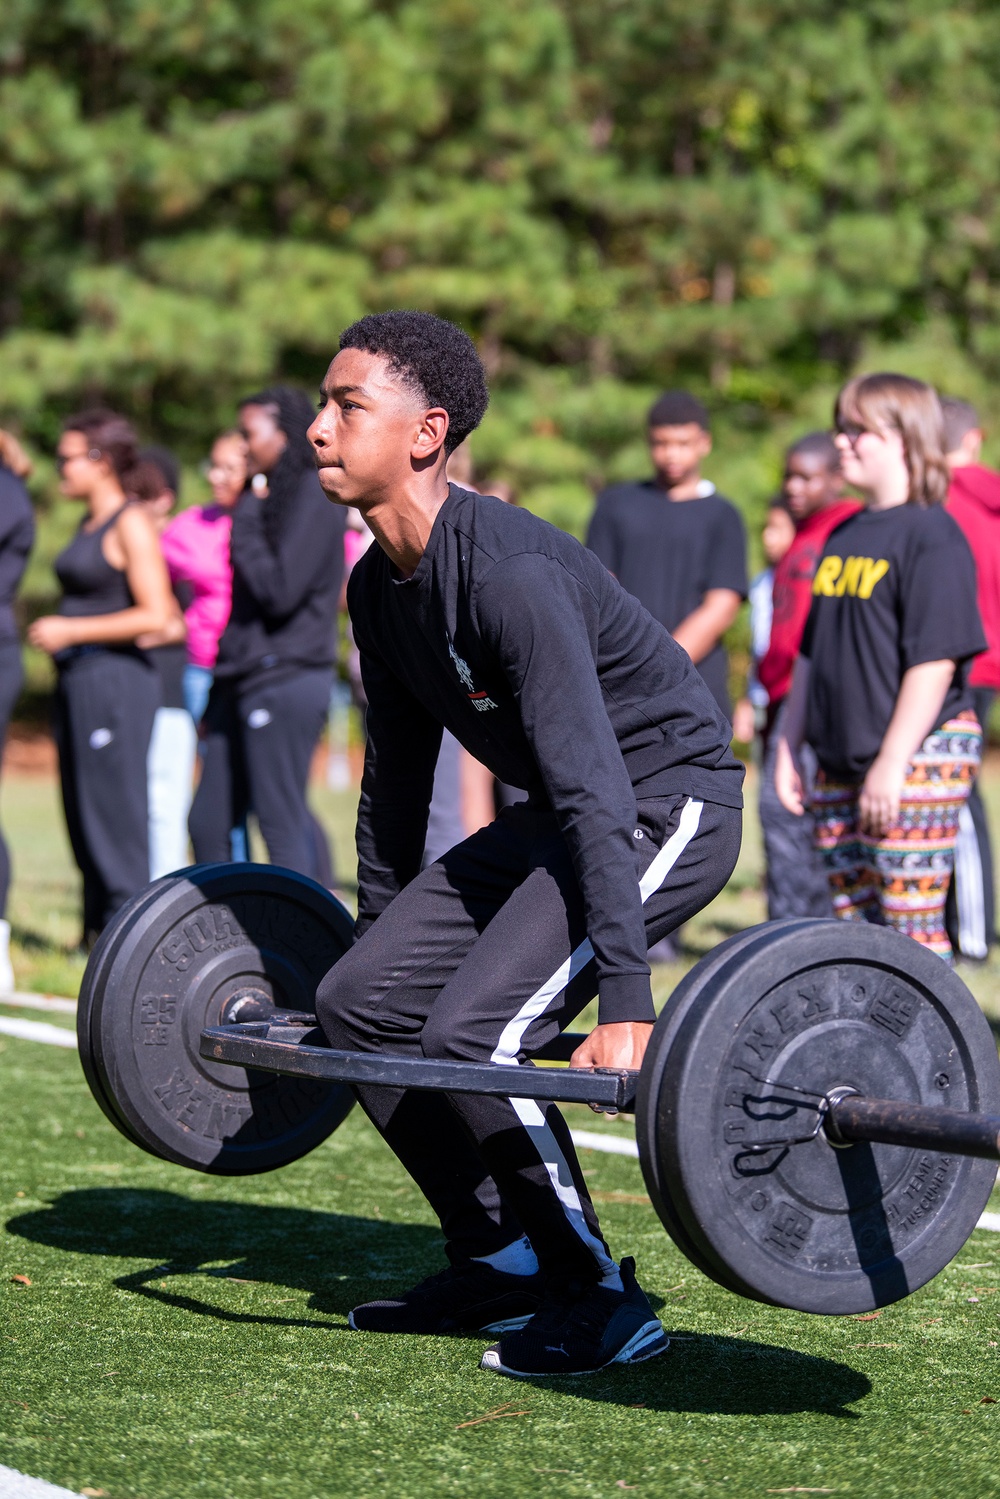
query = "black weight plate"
{"x": 92, "y": 982}
{"x": 804, "y": 1225}
{"x": 650, "y": 1080}
{"x": 207, "y": 935}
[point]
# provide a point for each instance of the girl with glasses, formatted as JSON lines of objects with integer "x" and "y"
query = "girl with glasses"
{"x": 880, "y": 690}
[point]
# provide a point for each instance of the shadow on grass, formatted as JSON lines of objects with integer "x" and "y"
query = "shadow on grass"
{"x": 340, "y": 1260}
{"x": 37, "y": 942}
{"x": 734, "y": 1376}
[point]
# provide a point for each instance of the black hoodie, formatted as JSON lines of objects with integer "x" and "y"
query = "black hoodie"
{"x": 285, "y": 589}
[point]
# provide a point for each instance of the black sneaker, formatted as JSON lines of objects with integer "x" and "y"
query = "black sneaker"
{"x": 472, "y": 1298}
{"x": 582, "y": 1328}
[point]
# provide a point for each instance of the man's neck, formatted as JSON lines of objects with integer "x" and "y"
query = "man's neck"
{"x": 402, "y": 522}
{"x": 688, "y": 488}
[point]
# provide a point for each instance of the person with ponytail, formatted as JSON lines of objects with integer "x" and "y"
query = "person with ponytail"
{"x": 880, "y": 690}
{"x": 115, "y": 589}
{"x": 273, "y": 672}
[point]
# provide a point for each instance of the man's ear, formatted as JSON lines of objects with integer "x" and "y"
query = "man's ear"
{"x": 431, "y": 433}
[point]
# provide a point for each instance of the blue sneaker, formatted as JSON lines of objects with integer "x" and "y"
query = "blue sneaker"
{"x": 580, "y": 1329}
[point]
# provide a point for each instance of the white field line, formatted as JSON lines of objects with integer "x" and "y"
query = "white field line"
{"x": 589, "y": 1139}
{"x": 39, "y": 1002}
{"x": 15, "y": 1485}
{"x": 37, "y": 1030}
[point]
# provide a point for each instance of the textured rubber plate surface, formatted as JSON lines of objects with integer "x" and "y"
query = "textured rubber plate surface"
{"x": 785, "y": 1218}
{"x": 171, "y": 965}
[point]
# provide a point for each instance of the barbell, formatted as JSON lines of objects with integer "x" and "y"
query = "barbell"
{"x": 817, "y": 1114}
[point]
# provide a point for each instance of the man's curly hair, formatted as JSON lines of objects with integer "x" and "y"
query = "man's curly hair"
{"x": 434, "y": 358}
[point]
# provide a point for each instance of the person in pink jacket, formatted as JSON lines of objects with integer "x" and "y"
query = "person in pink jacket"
{"x": 196, "y": 547}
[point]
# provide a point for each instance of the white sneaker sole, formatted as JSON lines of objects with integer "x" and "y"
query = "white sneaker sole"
{"x": 649, "y": 1342}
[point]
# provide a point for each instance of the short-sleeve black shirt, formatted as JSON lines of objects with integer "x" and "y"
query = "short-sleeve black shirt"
{"x": 893, "y": 589}
{"x": 669, "y": 554}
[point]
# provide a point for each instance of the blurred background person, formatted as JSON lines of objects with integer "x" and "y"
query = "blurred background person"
{"x": 974, "y": 501}
{"x": 196, "y": 545}
{"x": 777, "y": 535}
{"x": 813, "y": 489}
{"x": 680, "y": 548}
{"x": 675, "y": 543}
{"x": 880, "y": 689}
{"x": 17, "y": 535}
{"x": 115, "y": 588}
{"x": 173, "y": 743}
{"x": 271, "y": 692}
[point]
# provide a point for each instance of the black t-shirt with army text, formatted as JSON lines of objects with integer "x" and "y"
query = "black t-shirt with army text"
{"x": 670, "y": 553}
{"x": 894, "y": 589}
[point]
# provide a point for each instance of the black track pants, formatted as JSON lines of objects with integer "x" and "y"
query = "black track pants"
{"x": 484, "y": 957}
{"x": 797, "y": 883}
{"x": 259, "y": 737}
{"x": 11, "y": 680}
{"x": 105, "y": 704}
{"x": 970, "y": 913}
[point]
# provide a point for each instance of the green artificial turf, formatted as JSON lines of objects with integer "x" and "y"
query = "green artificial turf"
{"x": 186, "y": 1336}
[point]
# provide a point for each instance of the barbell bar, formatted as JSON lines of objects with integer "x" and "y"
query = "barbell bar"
{"x": 779, "y": 1049}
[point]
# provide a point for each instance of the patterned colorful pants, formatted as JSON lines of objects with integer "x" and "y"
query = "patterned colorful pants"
{"x": 901, "y": 879}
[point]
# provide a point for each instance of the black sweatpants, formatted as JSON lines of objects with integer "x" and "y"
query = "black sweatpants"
{"x": 105, "y": 704}
{"x": 11, "y": 681}
{"x": 259, "y": 736}
{"x": 484, "y": 957}
{"x": 970, "y": 912}
{"x": 796, "y": 878}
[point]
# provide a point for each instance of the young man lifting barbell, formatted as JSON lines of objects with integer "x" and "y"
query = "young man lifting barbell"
{"x": 481, "y": 618}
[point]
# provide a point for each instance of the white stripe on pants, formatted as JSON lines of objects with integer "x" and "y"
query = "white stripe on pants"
{"x": 507, "y": 1048}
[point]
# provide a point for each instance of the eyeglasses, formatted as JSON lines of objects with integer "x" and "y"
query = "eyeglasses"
{"x": 94, "y": 454}
{"x": 851, "y": 431}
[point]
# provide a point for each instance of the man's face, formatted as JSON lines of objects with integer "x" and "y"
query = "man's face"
{"x": 809, "y": 484}
{"x": 264, "y": 438}
{"x": 677, "y": 451}
{"x": 372, "y": 430}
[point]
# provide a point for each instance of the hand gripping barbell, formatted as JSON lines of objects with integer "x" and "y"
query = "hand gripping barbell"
{"x": 817, "y": 1114}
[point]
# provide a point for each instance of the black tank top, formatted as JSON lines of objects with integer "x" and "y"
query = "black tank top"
{"x": 90, "y": 584}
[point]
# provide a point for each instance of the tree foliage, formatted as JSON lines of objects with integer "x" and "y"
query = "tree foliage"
{"x": 748, "y": 196}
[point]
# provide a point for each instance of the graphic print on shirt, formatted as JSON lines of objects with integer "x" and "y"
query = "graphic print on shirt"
{"x": 481, "y": 701}
{"x": 856, "y": 576}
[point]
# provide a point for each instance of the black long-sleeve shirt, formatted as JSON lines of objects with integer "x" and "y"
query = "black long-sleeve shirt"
{"x": 285, "y": 596}
{"x": 17, "y": 536}
{"x": 517, "y": 639}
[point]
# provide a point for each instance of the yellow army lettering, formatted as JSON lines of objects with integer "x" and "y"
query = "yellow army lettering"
{"x": 857, "y": 576}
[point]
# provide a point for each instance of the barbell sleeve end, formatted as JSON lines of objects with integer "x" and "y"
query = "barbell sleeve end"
{"x": 851, "y": 1117}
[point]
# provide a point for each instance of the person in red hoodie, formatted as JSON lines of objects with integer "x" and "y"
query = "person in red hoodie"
{"x": 974, "y": 501}
{"x": 812, "y": 487}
